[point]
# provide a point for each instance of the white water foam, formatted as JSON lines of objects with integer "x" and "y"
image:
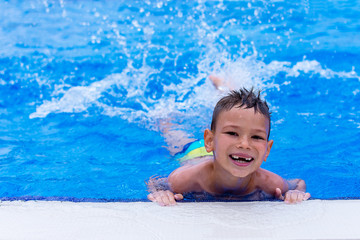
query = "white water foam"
{"x": 247, "y": 71}
{"x": 79, "y": 98}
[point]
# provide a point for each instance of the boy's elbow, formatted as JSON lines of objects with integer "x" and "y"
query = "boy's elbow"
{"x": 300, "y": 185}
{"x": 172, "y": 180}
{"x": 177, "y": 182}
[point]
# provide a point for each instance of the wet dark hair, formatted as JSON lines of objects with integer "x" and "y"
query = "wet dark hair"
{"x": 240, "y": 98}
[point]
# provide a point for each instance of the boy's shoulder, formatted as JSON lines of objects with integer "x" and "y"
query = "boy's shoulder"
{"x": 189, "y": 177}
{"x": 269, "y": 181}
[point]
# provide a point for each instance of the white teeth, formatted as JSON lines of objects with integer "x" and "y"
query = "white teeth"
{"x": 237, "y": 158}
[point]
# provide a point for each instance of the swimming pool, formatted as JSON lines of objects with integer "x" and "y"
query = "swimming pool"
{"x": 83, "y": 86}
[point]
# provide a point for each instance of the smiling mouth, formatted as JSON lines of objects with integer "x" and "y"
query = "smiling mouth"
{"x": 241, "y": 159}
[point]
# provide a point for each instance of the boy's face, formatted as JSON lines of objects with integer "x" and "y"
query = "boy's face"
{"x": 240, "y": 141}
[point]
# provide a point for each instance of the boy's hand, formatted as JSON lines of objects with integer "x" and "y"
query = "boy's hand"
{"x": 165, "y": 198}
{"x": 292, "y": 196}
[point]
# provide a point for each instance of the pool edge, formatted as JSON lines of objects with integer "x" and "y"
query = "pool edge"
{"x": 315, "y": 219}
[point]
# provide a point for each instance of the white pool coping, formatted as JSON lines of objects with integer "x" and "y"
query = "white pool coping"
{"x": 314, "y": 219}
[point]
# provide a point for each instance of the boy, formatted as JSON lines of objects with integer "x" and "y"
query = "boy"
{"x": 239, "y": 142}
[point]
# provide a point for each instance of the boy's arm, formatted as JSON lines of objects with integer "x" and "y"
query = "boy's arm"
{"x": 290, "y": 191}
{"x": 166, "y": 191}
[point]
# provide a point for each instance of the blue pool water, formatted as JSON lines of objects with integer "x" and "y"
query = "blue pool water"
{"x": 84, "y": 85}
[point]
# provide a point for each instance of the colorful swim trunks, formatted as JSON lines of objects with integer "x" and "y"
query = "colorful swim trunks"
{"x": 193, "y": 150}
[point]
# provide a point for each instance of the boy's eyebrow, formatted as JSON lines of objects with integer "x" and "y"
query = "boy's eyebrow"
{"x": 260, "y": 130}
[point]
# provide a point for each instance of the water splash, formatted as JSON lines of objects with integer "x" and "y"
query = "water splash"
{"x": 187, "y": 98}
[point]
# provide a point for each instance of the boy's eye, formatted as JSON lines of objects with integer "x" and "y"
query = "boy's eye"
{"x": 232, "y": 133}
{"x": 258, "y": 137}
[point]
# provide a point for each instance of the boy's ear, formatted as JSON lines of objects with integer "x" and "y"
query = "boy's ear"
{"x": 270, "y": 143}
{"x": 209, "y": 140}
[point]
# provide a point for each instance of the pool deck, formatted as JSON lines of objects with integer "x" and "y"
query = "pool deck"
{"x": 314, "y": 219}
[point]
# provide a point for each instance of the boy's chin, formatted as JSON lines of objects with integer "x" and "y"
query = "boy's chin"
{"x": 241, "y": 174}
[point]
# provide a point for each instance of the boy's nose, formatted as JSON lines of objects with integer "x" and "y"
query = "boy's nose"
{"x": 243, "y": 143}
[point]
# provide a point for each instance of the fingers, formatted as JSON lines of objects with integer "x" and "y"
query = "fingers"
{"x": 295, "y": 196}
{"x": 151, "y": 197}
{"x": 278, "y": 194}
{"x": 165, "y": 198}
{"x": 178, "y": 197}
